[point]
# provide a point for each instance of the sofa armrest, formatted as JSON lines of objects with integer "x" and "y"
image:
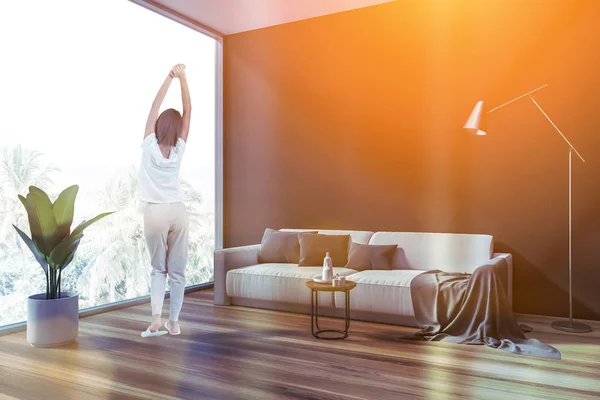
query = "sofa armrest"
{"x": 225, "y": 261}
{"x": 508, "y": 258}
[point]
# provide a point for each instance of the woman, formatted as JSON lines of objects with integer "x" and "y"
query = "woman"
{"x": 165, "y": 216}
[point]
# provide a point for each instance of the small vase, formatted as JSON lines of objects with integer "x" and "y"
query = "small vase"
{"x": 327, "y": 274}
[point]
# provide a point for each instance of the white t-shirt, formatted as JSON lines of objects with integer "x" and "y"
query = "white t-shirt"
{"x": 158, "y": 179}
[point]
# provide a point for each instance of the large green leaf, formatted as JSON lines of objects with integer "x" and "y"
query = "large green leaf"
{"x": 41, "y": 193}
{"x": 63, "y": 209}
{"x": 34, "y": 224}
{"x": 64, "y": 252}
{"x": 79, "y": 229}
{"x": 36, "y": 252}
{"x": 24, "y": 201}
{"x": 44, "y": 221}
{"x": 70, "y": 258}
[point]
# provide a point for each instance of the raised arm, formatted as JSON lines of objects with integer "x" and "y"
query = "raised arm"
{"x": 179, "y": 72}
{"x": 160, "y": 96}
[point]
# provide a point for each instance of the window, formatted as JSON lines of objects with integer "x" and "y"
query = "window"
{"x": 76, "y": 83}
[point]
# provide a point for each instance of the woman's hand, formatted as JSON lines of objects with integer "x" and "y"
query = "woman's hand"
{"x": 178, "y": 71}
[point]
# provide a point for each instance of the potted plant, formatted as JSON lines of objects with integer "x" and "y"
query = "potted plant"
{"x": 53, "y": 317}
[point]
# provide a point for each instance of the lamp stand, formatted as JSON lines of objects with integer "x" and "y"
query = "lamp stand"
{"x": 570, "y": 326}
{"x": 474, "y": 125}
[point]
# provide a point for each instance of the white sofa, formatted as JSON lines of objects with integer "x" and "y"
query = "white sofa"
{"x": 380, "y": 295}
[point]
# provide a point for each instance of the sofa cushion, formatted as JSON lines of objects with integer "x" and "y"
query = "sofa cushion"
{"x": 357, "y": 236}
{"x": 449, "y": 252}
{"x": 385, "y": 292}
{"x": 278, "y": 282}
{"x": 366, "y": 256}
{"x": 279, "y": 247}
{"x": 314, "y": 248}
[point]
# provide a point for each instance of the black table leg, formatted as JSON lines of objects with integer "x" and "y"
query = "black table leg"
{"x": 347, "y": 313}
{"x": 314, "y": 318}
{"x": 317, "y": 310}
{"x": 312, "y": 313}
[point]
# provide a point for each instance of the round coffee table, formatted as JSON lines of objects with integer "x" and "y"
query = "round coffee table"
{"x": 315, "y": 288}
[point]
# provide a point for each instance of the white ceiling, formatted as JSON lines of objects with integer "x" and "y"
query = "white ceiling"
{"x": 233, "y": 16}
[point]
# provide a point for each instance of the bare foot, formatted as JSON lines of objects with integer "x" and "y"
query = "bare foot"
{"x": 174, "y": 326}
{"x": 156, "y": 323}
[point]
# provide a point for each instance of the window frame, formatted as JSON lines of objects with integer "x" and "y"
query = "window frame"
{"x": 218, "y": 37}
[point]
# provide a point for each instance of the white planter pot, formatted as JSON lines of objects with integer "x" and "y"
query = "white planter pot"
{"x": 52, "y": 323}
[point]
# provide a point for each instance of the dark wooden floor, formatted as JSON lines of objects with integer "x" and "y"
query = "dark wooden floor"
{"x": 243, "y": 353}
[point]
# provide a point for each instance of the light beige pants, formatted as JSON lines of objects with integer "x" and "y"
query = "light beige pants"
{"x": 166, "y": 232}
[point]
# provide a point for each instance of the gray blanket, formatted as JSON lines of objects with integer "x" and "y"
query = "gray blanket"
{"x": 471, "y": 309}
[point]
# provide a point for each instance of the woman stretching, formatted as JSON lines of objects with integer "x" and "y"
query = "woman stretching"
{"x": 165, "y": 216}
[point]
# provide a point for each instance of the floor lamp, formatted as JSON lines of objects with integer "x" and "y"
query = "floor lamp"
{"x": 476, "y": 125}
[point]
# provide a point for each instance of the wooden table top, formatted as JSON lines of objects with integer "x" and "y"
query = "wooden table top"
{"x": 327, "y": 287}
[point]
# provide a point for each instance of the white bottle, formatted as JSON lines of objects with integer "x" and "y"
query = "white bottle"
{"x": 327, "y": 268}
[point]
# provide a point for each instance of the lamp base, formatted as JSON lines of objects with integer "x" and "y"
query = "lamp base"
{"x": 572, "y": 327}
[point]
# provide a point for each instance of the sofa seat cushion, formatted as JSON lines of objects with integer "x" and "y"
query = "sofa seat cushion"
{"x": 278, "y": 282}
{"x": 380, "y": 291}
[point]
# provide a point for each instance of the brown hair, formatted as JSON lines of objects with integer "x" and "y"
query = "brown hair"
{"x": 168, "y": 127}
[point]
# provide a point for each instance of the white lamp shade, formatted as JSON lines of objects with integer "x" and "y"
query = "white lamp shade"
{"x": 476, "y": 122}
